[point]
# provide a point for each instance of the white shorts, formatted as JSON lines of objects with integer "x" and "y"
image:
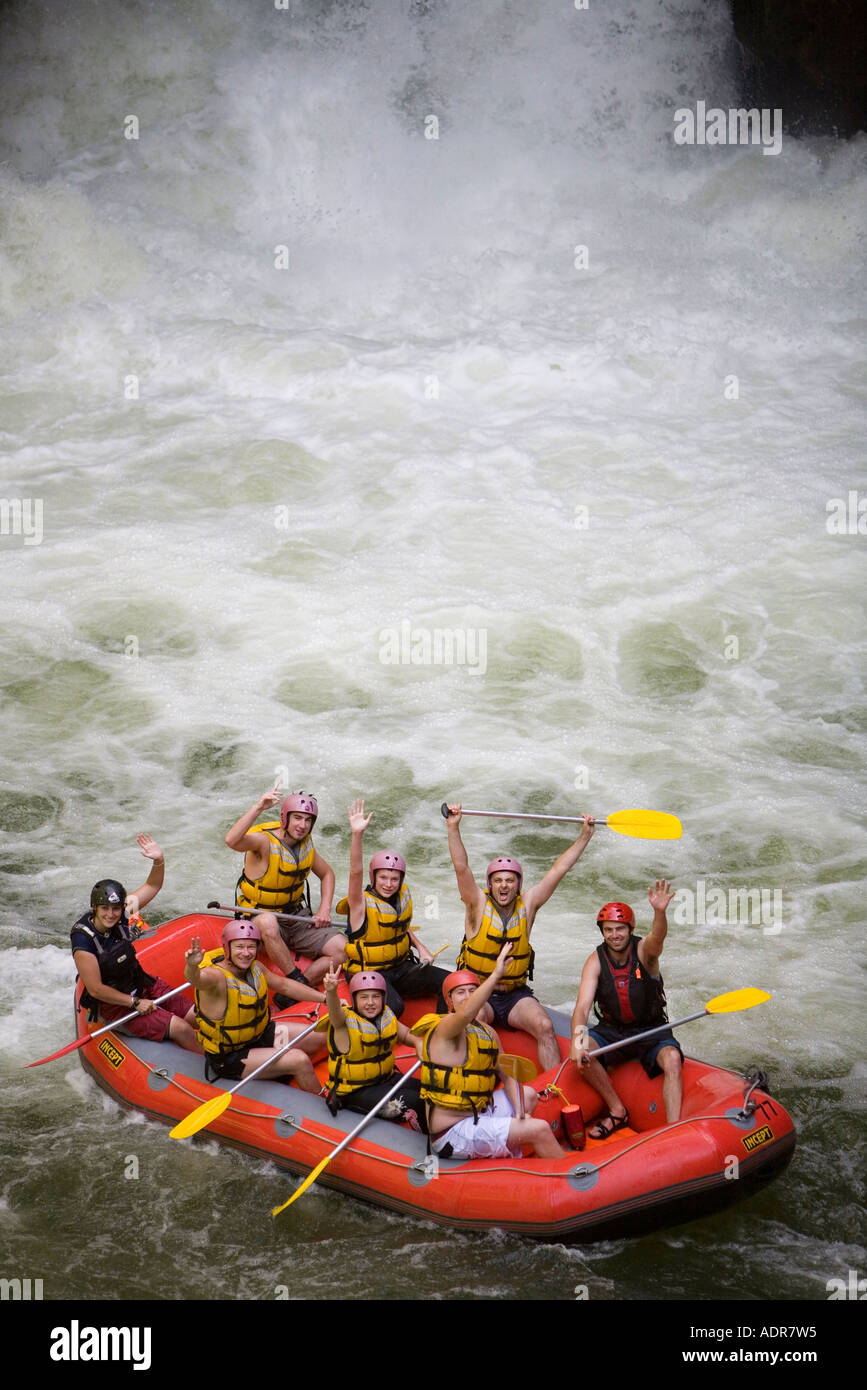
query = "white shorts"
{"x": 488, "y": 1137}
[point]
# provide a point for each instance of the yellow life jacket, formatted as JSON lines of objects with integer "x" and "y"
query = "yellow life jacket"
{"x": 282, "y": 883}
{"x": 371, "y": 1051}
{"x": 479, "y": 952}
{"x": 383, "y": 940}
{"x": 247, "y": 1012}
{"x": 467, "y": 1088}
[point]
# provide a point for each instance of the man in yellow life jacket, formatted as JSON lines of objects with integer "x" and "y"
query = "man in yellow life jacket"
{"x": 468, "y": 1117}
{"x": 232, "y": 1013}
{"x": 505, "y": 913}
{"x": 361, "y": 1043}
{"x": 278, "y": 857}
{"x": 380, "y": 916}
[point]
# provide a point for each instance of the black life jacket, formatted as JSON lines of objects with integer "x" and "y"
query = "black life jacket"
{"x": 118, "y": 963}
{"x": 627, "y": 996}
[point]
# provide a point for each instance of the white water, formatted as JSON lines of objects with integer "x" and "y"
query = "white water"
{"x": 431, "y": 393}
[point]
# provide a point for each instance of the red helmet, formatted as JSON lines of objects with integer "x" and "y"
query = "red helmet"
{"x": 505, "y": 865}
{"x": 367, "y": 979}
{"x": 239, "y": 930}
{"x": 301, "y": 802}
{"x": 616, "y": 912}
{"x": 453, "y": 981}
{"x": 387, "y": 859}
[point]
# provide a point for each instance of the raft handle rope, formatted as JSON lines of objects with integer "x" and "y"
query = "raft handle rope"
{"x": 462, "y": 1169}
{"x": 754, "y": 1079}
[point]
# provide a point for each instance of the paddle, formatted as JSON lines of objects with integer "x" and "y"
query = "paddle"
{"x": 220, "y": 911}
{"x": 640, "y": 825}
{"x": 522, "y": 1069}
{"x": 731, "y": 1003}
{"x": 311, "y": 1177}
{"x": 79, "y": 1042}
{"x": 205, "y": 1113}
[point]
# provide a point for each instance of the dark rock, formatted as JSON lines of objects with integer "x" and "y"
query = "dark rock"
{"x": 808, "y": 57}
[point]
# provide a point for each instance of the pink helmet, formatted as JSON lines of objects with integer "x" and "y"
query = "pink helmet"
{"x": 505, "y": 865}
{"x": 240, "y": 930}
{"x": 453, "y": 981}
{"x": 387, "y": 859}
{"x": 301, "y": 802}
{"x": 367, "y": 979}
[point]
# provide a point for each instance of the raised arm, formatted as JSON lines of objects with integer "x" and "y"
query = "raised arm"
{"x": 471, "y": 894}
{"x": 336, "y": 1016}
{"x": 540, "y": 892}
{"x": 210, "y": 984}
{"x": 452, "y": 1025}
{"x": 154, "y": 881}
{"x": 239, "y": 838}
{"x": 650, "y": 946}
{"x": 358, "y": 823}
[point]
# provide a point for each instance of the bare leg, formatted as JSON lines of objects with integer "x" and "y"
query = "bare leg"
{"x": 315, "y": 1044}
{"x": 672, "y": 1086}
{"x": 334, "y": 954}
{"x": 275, "y": 946}
{"x": 295, "y": 1064}
{"x": 184, "y": 1034}
{"x": 596, "y": 1076}
{"x": 538, "y": 1134}
{"x": 529, "y": 1016}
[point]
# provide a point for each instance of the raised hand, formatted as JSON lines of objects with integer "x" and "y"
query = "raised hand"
{"x": 660, "y": 895}
{"x": 149, "y": 847}
{"x": 358, "y": 822}
{"x": 195, "y": 955}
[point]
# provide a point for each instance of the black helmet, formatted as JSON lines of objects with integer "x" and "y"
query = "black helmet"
{"x": 107, "y": 893}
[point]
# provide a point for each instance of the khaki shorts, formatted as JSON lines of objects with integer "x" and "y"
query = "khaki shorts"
{"x": 306, "y": 941}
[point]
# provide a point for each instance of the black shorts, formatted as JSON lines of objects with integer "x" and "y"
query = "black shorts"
{"x": 409, "y": 979}
{"x": 229, "y": 1066}
{"x": 503, "y": 1002}
{"x": 364, "y": 1098}
{"x": 646, "y": 1052}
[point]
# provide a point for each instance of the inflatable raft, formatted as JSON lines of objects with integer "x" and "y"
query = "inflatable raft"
{"x": 727, "y": 1143}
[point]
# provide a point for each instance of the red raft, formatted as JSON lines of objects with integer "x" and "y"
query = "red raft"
{"x": 645, "y": 1176}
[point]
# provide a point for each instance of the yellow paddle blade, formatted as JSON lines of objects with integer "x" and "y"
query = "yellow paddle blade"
{"x": 308, "y": 1181}
{"x": 521, "y": 1068}
{"x": 737, "y": 999}
{"x": 645, "y": 825}
{"x": 201, "y": 1117}
{"x": 425, "y": 1023}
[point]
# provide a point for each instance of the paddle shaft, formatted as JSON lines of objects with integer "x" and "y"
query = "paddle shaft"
{"x": 519, "y": 815}
{"x": 651, "y": 1033}
{"x": 80, "y": 1042}
{"x": 218, "y": 910}
{"x": 311, "y": 1178}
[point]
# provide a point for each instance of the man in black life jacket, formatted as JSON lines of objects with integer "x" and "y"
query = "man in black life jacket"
{"x": 622, "y": 979}
{"x": 506, "y": 913}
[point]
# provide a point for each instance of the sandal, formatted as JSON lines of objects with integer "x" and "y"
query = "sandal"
{"x": 607, "y": 1125}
